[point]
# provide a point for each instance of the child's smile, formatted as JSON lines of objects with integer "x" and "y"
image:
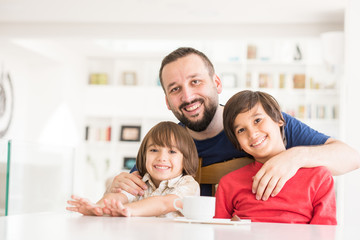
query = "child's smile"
{"x": 259, "y": 142}
{"x": 161, "y": 167}
{"x": 258, "y": 134}
{"x": 163, "y": 163}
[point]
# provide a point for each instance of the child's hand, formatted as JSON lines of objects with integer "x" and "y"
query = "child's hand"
{"x": 84, "y": 206}
{"x": 115, "y": 208}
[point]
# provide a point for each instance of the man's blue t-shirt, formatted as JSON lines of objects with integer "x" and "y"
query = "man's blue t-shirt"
{"x": 220, "y": 149}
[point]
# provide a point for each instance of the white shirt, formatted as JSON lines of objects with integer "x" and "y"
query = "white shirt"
{"x": 181, "y": 186}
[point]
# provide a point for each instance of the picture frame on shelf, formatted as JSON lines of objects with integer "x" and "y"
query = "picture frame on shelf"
{"x": 129, "y": 78}
{"x": 130, "y": 133}
{"x": 228, "y": 79}
{"x": 129, "y": 162}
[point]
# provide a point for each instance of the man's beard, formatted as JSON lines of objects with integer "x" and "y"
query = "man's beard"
{"x": 199, "y": 125}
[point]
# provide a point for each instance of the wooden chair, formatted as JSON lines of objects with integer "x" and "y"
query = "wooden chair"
{"x": 213, "y": 173}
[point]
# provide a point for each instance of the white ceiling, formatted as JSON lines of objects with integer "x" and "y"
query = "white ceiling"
{"x": 169, "y": 20}
{"x": 172, "y": 11}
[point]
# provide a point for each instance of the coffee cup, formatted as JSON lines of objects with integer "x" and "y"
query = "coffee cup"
{"x": 197, "y": 208}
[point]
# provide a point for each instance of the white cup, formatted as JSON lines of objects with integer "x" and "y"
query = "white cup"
{"x": 197, "y": 208}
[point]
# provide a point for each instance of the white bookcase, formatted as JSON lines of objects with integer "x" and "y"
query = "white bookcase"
{"x": 125, "y": 91}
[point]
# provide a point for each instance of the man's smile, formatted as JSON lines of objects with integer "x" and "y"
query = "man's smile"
{"x": 192, "y": 107}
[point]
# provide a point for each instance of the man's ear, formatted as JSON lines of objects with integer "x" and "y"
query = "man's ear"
{"x": 218, "y": 83}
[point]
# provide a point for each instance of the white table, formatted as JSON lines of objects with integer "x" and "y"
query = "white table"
{"x": 73, "y": 226}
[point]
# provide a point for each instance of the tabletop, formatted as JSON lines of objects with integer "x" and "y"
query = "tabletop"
{"x": 74, "y": 226}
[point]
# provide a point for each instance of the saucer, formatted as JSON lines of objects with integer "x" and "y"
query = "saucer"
{"x": 213, "y": 221}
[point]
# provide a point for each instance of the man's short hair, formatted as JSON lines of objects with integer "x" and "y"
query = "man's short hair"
{"x": 183, "y": 52}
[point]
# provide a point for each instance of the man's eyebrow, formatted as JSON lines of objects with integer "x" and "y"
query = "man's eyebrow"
{"x": 187, "y": 77}
{"x": 171, "y": 85}
{"x": 193, "y": 75}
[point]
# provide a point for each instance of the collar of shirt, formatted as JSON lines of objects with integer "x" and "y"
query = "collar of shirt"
{"x": 166, "y": 183}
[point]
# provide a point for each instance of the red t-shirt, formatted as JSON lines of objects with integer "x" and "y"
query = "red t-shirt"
{"x": 308, "y": 197}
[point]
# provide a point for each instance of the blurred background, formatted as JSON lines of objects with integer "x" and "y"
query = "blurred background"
{"x": 80, "y": 79}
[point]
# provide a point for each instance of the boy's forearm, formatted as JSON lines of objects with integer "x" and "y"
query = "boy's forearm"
{"x": 153, "y": 206}
{"x": 116, "y": 196}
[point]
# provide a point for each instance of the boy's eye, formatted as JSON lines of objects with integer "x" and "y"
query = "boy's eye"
{"x": 153, "y": 150}
{"x": 240, "y": 130}
{"x": 257, "y": 120}
{"x": 172, "y": 151}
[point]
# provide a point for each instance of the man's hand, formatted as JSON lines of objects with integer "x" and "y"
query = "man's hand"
{"x": 130, "y": 183}
{"x": 84, "y": 206}
{"x": 273, "y": 175}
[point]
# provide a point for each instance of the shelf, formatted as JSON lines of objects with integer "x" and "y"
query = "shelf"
{"x": 121, "y": 101}
{"x": 258, "y": 63}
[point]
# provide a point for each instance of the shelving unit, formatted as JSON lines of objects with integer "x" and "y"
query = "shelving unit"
{"x": 132, "y": 95}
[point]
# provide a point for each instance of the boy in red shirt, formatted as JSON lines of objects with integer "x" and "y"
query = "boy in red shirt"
{"x": 254, "y": 123}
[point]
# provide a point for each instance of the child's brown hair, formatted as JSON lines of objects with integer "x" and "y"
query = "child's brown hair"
{"x": 166, "y": 134}
{"x": 244, "y": 101}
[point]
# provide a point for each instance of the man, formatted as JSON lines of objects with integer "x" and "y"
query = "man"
{"x": 191, "y": 89}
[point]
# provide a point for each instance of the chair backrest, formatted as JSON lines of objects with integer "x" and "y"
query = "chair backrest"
{"x": 212, "y": 174}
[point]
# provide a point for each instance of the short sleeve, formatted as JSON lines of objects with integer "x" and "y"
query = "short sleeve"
{"x": 186, "y": 186}
{"x": 325, "y": 200}
{"x": 300, "y": 134}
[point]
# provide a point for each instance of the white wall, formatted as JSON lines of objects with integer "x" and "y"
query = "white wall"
{"x": 163, "y": 31}
{"x": 41, "y": 84}
{"x": 352, "y": 113}
{"x": 47, "y": 81}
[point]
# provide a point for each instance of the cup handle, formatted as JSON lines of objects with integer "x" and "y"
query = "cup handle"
{"x": 177, "y": 208}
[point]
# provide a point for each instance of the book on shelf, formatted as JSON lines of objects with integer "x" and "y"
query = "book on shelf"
{"x": 301, "y": 112}
{"x": 248, "y": 80}
{"x": 282, "y": 80}
{"x": 320, "y": 111}
{"x": 335, "y": 112}
{"x": 98, "y": 134}
{"x": 98, "y": 78}
{"x": 265, "y": 80}
{"x": 251, "y": 51}
{"x": 299, "y": 80}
